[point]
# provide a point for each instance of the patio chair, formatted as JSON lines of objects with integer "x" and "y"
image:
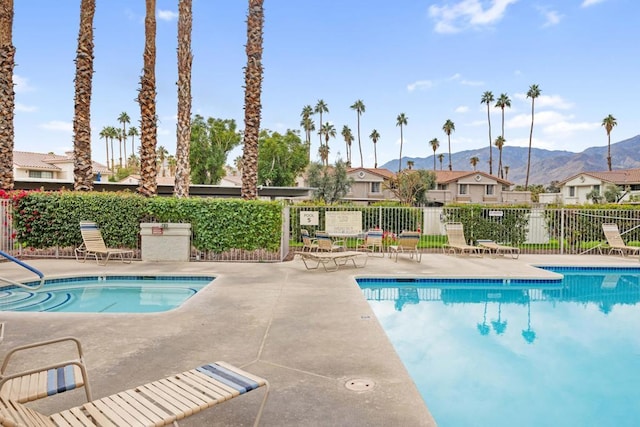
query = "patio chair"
{"x": 407, "y": 243}
{"x": 615, "y": 242}
{"x": 326, "y": 244}
{"x": 457, "y": 243}
{"x": 44, "y": 381}
{"x": 93, "y": 245}
{"x": 308, "y": 243}
{"x": 498, "y": 249}
{"x": 372, "y": 242}
{"x": 158, "y": 403}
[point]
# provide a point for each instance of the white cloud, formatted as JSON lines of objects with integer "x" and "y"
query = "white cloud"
{"x": 58, "y": 125}
{"x": 551, "y": 123}
{"x": 587, "y": 3}
{"x": 462, "y": 109}
{"x": 453, "y": 18}
{"x": 167, "y": 15}
{"x": 25, "y": 108}
{"x": 552, "y": 17}
{"x": 565, "y": 127}
{"x": 547, "y": 101}
{"x": 22, "y": 84}
{"x": 420, "y": 85}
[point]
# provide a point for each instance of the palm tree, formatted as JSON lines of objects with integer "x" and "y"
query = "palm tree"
{"x": 122, "y": 139}
{"x": 323, "y": 152}
{"x": 329, "y": 131}
{"x": 440, "y": 159}
{"x": 487, "y": 98}
{"x": 360, "y": 108}
{"x": 161, "y": 155}
{"x": 321, "y": 107}
{"x": 502, "y": 103}
{"x": 7, "y": 94}
{"x": 124, "y": 119}
{"x": 112, "y": 133}
{"x": 104, "y": 134}
{"x": 348, "y": 139}
{"x": 172, "y": 162}
{"x": 500, "y": 143}
{"x": 449, "y": 127}
{"x": 410, "y": 164}
{"x": 435, "y": 144}
{"x": 533, "y": 92}
{"x": 401, "y": 121}
{"x": 252, "y": 92}
{"x": 182, "y": 169}
{"x": 506, "y": 172}
{"x": 147, "y": 101}
{"x": 474, "y": 161}
{"x": 308, "y": 125}
{"x": 82, "y": 166}
{"x": 609, "y": 122}
{"x": 375, "y": 136}
{"x": 133, "y": 132}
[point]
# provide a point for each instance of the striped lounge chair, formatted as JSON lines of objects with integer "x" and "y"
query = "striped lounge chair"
{"x": 93, "y": 245}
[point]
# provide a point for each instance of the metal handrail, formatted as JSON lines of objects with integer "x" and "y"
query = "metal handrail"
{"x": 28, "y": 267}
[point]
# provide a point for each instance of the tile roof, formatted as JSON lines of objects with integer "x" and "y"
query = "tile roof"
{"x": 618, "y": 177}
{"x": 47, "y": 161}
{"x": 385, "y": 173}
{"x": 445, "y": 176}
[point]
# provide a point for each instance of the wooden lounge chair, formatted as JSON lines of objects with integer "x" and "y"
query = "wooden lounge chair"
{"x": 407, "y": 243}
{"x": 331, "y": 261}
{"x": 158, "y": 403}
{"x": 457, "y": 243}
{"x": 326, "y": 244}
{"x": 615, "y": 242}
{"x": 308, "y": 243}
{"x": 44, "y": 381}
{"x": 498, "y": 249}
{"x": 372, "y": 242}
{"x": 93, "y": 245}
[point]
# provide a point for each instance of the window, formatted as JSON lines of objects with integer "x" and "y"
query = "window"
{"x": 463, "y": 189}
{"x": 489, "y": 190}
{"x": 41, "y": 174}
{"x": 375, "y": 187}
{"x": 443, "y": 186}
{"x": 596, "y": 189}
{"x": 572, "y": 191}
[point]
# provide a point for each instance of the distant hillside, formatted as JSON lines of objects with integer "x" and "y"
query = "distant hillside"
{"x": 546, "y": 165}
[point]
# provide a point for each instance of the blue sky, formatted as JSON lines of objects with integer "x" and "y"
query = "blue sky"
{"x": 431, "y": 60}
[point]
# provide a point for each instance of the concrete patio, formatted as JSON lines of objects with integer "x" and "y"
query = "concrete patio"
{"x": 308, "y": 332}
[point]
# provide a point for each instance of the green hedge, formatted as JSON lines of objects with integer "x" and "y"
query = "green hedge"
{"x": 44, "y": 220}
{"x": 478, "y": 222}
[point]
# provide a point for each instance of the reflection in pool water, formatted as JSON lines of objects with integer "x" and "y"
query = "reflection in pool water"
{"x": 491, "y": 353}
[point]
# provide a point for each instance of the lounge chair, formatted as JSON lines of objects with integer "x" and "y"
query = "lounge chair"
{"x": 158, "y": 403}
{"x": 615, "y": 242}
{"x": 326, "y": 244}
{"x": 308, "y": 243}
{"x": 457, "y": 243}
{"x": 407, "y": 243}
{"x": 93, "y": 245}
{"x": 372, "y": 242}
{"x": 43, "y": 381}
{"x": 332, "y": 261}
{"x": 498, "y": 249}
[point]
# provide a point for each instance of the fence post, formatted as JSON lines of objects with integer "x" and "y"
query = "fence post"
{"x": 562, "y": 231}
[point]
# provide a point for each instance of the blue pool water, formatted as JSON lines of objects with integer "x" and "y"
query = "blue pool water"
{"x": 104, "y": 294}
{"x": 519, "y": 353}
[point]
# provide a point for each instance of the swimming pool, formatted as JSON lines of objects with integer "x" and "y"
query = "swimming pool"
{"x": 525, "y": 353}
{"x": 104, "y": 294}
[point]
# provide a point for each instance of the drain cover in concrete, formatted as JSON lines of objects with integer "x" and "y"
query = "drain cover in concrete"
{"x": 359, "y": 384}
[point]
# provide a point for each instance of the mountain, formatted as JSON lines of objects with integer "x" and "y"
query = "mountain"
{"x": 546, "y": 165}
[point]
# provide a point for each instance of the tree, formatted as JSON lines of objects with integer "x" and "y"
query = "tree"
{"x": 435, "y": 144}
{"x": 172, "y": 163}
{"x": 502, "y": 103}
{"x": 328, "y": 131}
{"x": 124, "y": 119}
{"x": 133, "y": 132}
{"x": 331, "y": 184}
{"x": 348, "y": 139}
{"x": 82, "y": 165}
{"x": 211, "y": 142}
{"x": 401, "y": 121}
{"x": 612, "y": 193}
{"x": 7, "y": 95}
{"x": 359, "y": 107}
{"x": 609, "y": 123}
{"x": 104, "y": 134}
{"x": 375, "y": 136}
{"x": 449, "y": 127}
{"x": 500, "y": 143}
{"x": 321, "y": 107}
{"x": 112, "y": 134}
{"x": 440, "y": 159}
{"x": 281, "y": 158}
{"x": 121, "y": 141}
{"x": 161, "y": 155}
{"x": 308, "y": 125}
{"x": 182, "y": 171}
{"x": 147, "y": 101}
{"x": 506, "y": 172}
{"x": 411, "y": 186}
{"x": 533, "y": 92}
{"x": 487, "y": 98}
{"x": 474, "y": 161}
{"x": 252, "y": 92}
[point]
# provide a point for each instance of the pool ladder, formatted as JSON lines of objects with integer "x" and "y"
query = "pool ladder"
{"x": 28, "y": 267}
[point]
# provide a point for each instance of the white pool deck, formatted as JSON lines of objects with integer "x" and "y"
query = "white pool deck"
{"x": 308, "y": 332}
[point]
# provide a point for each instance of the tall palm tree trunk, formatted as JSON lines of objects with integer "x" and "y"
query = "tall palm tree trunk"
{"x": 449, "y": 140}
{"x": 82, "y": 172}
{"x": 252, "y": 92}
{"x": 359, "y": 144}
{"x": 147, "y": 100}
{"x": 7, "y": 95}
{"x": 183, "y": 130}
{"x": 400, "y": 159}
{"x": 526, "y": 182}
{"x": 609, "y": 150}
{"x": 490, "y": 144}
{"x": 375, "y": 156}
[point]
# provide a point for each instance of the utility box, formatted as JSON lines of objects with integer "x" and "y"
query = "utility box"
{"x": 165, "y": 241}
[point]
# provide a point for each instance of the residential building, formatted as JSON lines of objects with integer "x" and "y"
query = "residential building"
{"x": 50, "y": 167}
{"x": 474, "y": 187}
{"x": 578, "y": 188}
{"x": 369, "y": 185}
